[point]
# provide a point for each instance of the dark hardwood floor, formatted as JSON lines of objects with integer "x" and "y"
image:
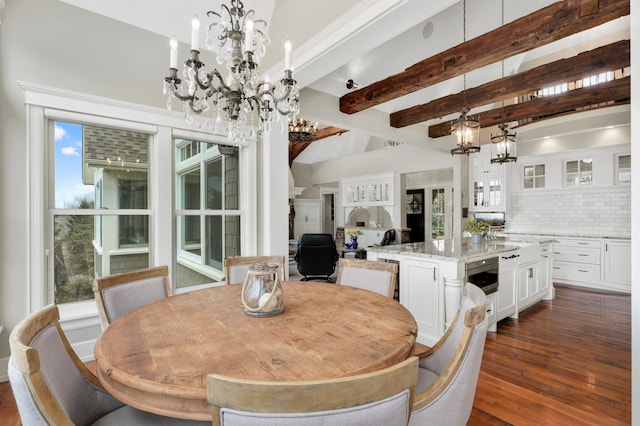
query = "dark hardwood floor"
{"x": 563, "y": 362}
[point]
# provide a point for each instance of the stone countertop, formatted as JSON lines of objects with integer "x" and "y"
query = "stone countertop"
{"x": 551, "y": 237}
{"x": 449, "y": 250}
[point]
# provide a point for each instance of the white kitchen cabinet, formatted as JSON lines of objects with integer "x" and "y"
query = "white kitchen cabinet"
{"x": 617, "y": 263}
{"x": 370, "y": 190}
{"x": 544, "y": 272}
{"x": 576, "y": 261}
{"x": 487, "y": 194}
{"x": 528, "y": 286}
{"x": 419, "y": 293}
{"x": 486, "y": 183}
{"x": 481, "y": 164}
{"x": 507, "y": 291}
{"x": 492, "y": 312}
{"x": 601, "y": 263}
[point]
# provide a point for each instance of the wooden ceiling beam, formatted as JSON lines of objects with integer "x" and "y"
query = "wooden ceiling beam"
{"x": 549, "y": 24}
{"x": 607, "y": 58}
{"x": 296, "y": 148}
{"x": 616, "y": 91}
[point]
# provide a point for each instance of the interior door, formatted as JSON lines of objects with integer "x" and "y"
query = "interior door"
{"x": 307, "y": 219}
{"x": 415, "y": 214}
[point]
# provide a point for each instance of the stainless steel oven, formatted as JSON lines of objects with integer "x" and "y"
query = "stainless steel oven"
{"x": 484, "y": 274}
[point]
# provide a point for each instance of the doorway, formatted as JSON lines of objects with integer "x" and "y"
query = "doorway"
{"x": 415, "y": 214}
{"x": 329, "y": 218}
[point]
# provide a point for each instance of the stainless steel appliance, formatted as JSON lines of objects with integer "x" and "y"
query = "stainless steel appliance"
{"x": 484, "y": 274}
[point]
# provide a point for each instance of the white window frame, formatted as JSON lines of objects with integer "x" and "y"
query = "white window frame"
{"x": 534, "y": 176}
{"x": 44, "y": 104}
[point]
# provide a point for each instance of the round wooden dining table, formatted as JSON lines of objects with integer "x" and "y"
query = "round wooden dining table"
{"x": 156, "y": 358}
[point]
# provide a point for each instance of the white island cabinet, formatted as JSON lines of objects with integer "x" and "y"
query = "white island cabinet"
{"x": 507, "y": 291}
{"x": 432, "y": 277}
{"x": 422, "y": 300}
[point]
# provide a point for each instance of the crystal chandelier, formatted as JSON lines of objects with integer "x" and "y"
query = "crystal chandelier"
{"x": 240, "y": 43}
{"x": 503, "y": 146}
{"x": 301, "y": 130}
{"x": 465, "y": 131}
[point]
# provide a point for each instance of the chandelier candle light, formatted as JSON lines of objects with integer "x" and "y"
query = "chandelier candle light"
{"x": 301, "y": 130}
{"x": 505, "y": 145}
{"x": 239, "y": 41}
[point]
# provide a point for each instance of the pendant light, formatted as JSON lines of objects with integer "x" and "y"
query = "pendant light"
{"x": 503, "y": 145}
{"x": 465, "y": 131}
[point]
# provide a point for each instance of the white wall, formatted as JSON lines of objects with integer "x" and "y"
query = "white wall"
{"x": 53, "y": 44}
{"x": 600, "y": 210}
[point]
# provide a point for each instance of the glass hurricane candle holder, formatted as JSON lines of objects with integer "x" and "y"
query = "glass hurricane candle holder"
{"x": 262, "y": 293}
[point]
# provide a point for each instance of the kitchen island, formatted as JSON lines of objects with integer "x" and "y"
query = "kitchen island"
{"x": 432, "y": 276}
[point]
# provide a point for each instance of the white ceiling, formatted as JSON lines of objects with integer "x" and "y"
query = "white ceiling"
{"x": 365, "y": 40}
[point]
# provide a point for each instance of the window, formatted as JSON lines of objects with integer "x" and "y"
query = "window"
{"x": 207, "y": 211}
{"x": 623, "y": 168}
{"x": 533, "y": 176}
{"x": 578, "y": 172}
{"x": 437, "y": 213}
{"x": 97, "y": 207}
{"x": 97, "y": 169}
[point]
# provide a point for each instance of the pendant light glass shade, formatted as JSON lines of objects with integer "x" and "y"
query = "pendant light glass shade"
{"x": 503, "y": 146}
{"x": 465, "y": 134}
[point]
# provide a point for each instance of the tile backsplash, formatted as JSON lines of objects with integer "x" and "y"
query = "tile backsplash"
{"x": 584, "y": 212}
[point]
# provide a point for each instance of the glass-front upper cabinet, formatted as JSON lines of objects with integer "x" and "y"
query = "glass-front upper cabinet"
{"x": 578, "y": 172}
{"x": 488, "y": 194}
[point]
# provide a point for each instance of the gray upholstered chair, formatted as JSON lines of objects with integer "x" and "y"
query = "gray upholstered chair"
{"x": 236, "y": 268}
{"x": 379, "y": 398}
{"x": 52, "y": 386}
{"x": 449, "y": 371}
{"x": 119, "y": 294}
{"x": 380, "y": 277}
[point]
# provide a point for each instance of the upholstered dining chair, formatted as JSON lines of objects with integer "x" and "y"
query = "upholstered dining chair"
{"x": 379, "y": 398}
{"x": 316, "y": 256}
{"x": 236, "y": 268}
{"x": 119, "y": 294}
{"x": 380, "y": 277}
{"x": 52, "y": 386}
{"x": 448, "y": 372}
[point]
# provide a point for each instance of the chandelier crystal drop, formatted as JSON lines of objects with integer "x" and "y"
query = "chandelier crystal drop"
{"x": 240, "y": 103}
{"x": 503, "y": 146}
{"x": 301, "y": 130}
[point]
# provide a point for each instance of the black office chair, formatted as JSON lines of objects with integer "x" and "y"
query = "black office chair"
{"x": 389, "y": 237}
{"x": 316, "y": 256}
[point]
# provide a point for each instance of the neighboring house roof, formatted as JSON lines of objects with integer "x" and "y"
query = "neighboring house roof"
{"x": 113, "y": 149}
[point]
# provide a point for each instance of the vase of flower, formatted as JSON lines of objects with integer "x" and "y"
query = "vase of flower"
{"x": 477, "y": 229}
{"x": 353, "y": 234}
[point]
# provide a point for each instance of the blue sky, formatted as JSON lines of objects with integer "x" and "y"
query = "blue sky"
{"x": 68, "y": 165}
